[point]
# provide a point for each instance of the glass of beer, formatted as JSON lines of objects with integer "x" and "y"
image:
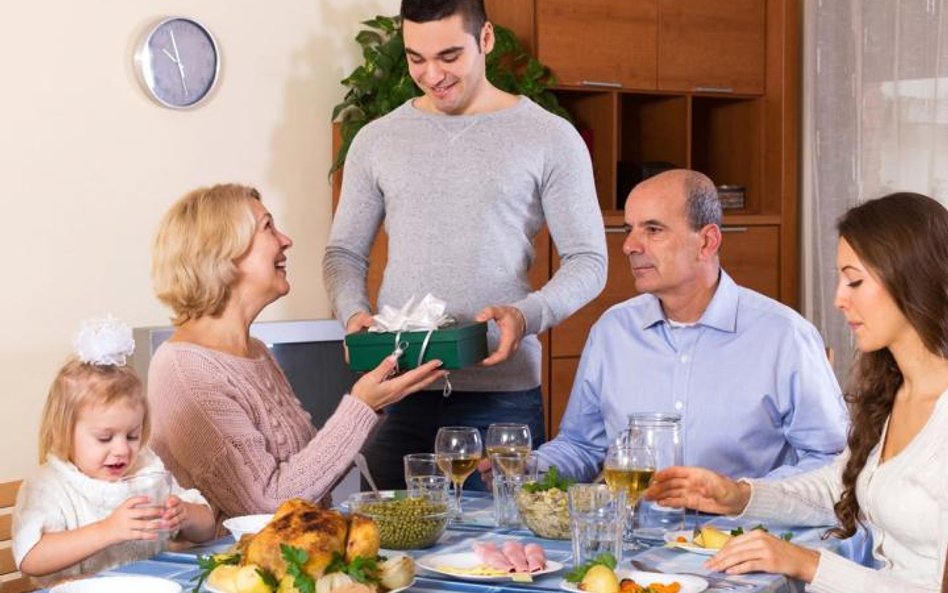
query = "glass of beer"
{"x": 458, "y": 449}
{"x": 629, "y": 468}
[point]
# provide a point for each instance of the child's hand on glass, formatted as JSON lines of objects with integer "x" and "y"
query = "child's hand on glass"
{"x": 175, "y": 516}
{"x": 134, "y": 519}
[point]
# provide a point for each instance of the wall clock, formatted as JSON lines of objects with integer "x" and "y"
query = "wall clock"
{"x": 178, "y": 62}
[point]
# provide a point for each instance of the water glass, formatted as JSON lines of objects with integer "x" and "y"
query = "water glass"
{"x": 423, "y": 477}
{"x": 661, "y": 433}
{"x": 597, "y": 516}
{"x": 510, "y": 472}
{"x": 155, "y": 485}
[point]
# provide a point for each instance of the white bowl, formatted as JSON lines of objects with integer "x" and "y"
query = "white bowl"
{"x": 239, "y": 526}
{"x": 119, "y": 584}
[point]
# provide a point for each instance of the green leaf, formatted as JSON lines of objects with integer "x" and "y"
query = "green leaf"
{"x": 576, "y": 575}
{"x": 267, "y": 577}
{"x": 551, "y": 480}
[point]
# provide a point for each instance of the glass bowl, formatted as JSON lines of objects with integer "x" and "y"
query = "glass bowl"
{"x": 406, "y": 521}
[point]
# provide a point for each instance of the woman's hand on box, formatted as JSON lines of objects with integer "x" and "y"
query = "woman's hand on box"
{"x": 378, "y": 388}
{"x": 512, "y": 325}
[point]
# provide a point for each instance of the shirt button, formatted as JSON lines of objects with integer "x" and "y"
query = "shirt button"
{"x": 281, "y": 438}
{"x": 274, "y": 422}
{"x": 679, "y": 405}
{"x": 684, "y": 358}
{"x": 268, "y": 383}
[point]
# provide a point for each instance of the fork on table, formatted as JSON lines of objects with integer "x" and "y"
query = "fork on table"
{"x": 715, "y": 583}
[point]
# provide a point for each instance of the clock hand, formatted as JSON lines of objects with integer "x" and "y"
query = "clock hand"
{"x": 177, "y": 60}
{"x": 170, "y": 57}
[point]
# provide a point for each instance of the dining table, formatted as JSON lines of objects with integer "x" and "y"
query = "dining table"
{"x": 478, "y": 525}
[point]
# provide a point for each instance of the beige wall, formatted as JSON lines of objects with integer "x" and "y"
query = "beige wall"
{"x": 88, "y": 164}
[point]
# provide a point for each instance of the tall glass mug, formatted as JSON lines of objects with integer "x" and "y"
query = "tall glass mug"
{"x": 661, "y": 433}
{"x": 597, "y": 516}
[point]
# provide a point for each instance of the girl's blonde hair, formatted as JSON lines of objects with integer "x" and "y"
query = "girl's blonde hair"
{"x": 81, "y": 384}
{"x": 198, "y": 242}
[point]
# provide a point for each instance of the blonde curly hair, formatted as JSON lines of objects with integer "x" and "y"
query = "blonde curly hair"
{"x": 196, "y": 248}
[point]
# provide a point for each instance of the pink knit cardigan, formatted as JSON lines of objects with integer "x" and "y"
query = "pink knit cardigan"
{"x": 232, "y": 428}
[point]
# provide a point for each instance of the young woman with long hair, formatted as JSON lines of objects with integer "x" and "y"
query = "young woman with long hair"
{"x": 893, "y": 477}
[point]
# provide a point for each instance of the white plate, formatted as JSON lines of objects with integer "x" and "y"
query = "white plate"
{"x": 470, "y": 560}
{"x": 689, "y": 583}
{"x": 672, "y": 536}
{"x": 246, "y": 524}
{"x": 119, "y": 584}
{"x": 212, "y": 589}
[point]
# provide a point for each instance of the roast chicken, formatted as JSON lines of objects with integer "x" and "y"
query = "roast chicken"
{"x": 317, "y": 531}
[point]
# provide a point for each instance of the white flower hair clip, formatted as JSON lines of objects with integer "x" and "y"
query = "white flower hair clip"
{"x": 103, "y": 341}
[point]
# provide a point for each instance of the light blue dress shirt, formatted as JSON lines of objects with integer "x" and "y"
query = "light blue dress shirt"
{"x": 750, "y": 379}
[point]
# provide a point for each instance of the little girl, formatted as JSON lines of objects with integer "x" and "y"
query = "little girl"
{"x": 75, "y": 516}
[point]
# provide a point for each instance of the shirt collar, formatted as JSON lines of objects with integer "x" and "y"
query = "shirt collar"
{"x": 721, "y": 313}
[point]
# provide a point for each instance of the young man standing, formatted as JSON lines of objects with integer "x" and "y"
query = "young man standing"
{"x": 464, "y": 177}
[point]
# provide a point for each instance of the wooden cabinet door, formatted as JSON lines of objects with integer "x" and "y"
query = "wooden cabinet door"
{"x": 569, "y": 337}
{"x": 711, "y": 45}
{"x": 751, "y": 255}
{"x": 598, "y": 42}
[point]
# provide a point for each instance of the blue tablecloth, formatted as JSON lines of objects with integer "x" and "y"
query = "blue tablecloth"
{"x": 478, "y": 525}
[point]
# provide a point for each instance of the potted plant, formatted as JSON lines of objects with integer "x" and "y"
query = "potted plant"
{"x": 382, "y": 82}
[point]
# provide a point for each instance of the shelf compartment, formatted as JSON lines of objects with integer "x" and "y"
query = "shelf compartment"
{"x": 595, "y": 115}
{"x": 727, "y": 145}
{"x": 653, "y": 134}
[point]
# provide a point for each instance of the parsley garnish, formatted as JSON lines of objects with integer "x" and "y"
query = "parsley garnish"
{"x": 295, "y": 561}
{"x": 209, "y": 563}
{"x": 576, "y": 575}
{"x": 551, "y": 480}
{"x": 361, "y": 569}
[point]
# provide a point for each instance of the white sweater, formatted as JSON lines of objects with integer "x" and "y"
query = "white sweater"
{"x": 59, "y": 497}
{"x": 904, "y": 502}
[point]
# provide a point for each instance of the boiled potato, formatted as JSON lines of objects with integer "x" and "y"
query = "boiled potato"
{"x": 248, "y": 580}
{"x": 223, "y": 578}
{"x": 712, "y": 538}
{"x": 600, "y": 579}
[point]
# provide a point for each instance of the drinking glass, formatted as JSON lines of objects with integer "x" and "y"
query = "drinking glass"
{"x": 629, "y": 467}
{"x": 511, "y": 471}
{"x": 458, "y": 449}
{"x": 508, "y": 438}
{"x": 661, "y": 433}
{"x": 596, "y": 517}
{"x": 156, "y": 486}
{"x": 423, "y": 476}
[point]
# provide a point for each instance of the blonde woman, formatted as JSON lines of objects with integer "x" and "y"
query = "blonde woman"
{"x": 225, "y": 418}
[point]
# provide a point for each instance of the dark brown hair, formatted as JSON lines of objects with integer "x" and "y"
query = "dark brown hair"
{"x": 903, "y": 239}
{"x": 472, "y": 13}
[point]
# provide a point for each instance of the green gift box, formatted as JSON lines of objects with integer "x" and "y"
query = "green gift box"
{"x": 457, "y": 346}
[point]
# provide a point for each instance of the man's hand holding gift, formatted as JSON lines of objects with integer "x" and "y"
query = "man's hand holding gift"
{"x": 512, "y": 325}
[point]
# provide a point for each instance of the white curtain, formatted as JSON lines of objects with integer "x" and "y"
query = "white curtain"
{"x": 875, "y": 119}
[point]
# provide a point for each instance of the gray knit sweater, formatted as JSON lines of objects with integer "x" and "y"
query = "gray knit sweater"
{"x": 462, "y": 198}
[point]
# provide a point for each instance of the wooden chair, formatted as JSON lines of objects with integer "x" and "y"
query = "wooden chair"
{"x": 11, "y": 581}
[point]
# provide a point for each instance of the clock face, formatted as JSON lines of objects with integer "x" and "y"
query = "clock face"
{"x": 178, "y": 62}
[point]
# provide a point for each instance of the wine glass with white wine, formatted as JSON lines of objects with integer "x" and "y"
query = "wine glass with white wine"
{"x": 458, "y": 449}
{"x": 629, "y": 467}
{"x": 512, "y": 442}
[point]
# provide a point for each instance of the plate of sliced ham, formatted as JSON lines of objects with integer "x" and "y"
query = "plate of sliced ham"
{"x": 510, "y": 560}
